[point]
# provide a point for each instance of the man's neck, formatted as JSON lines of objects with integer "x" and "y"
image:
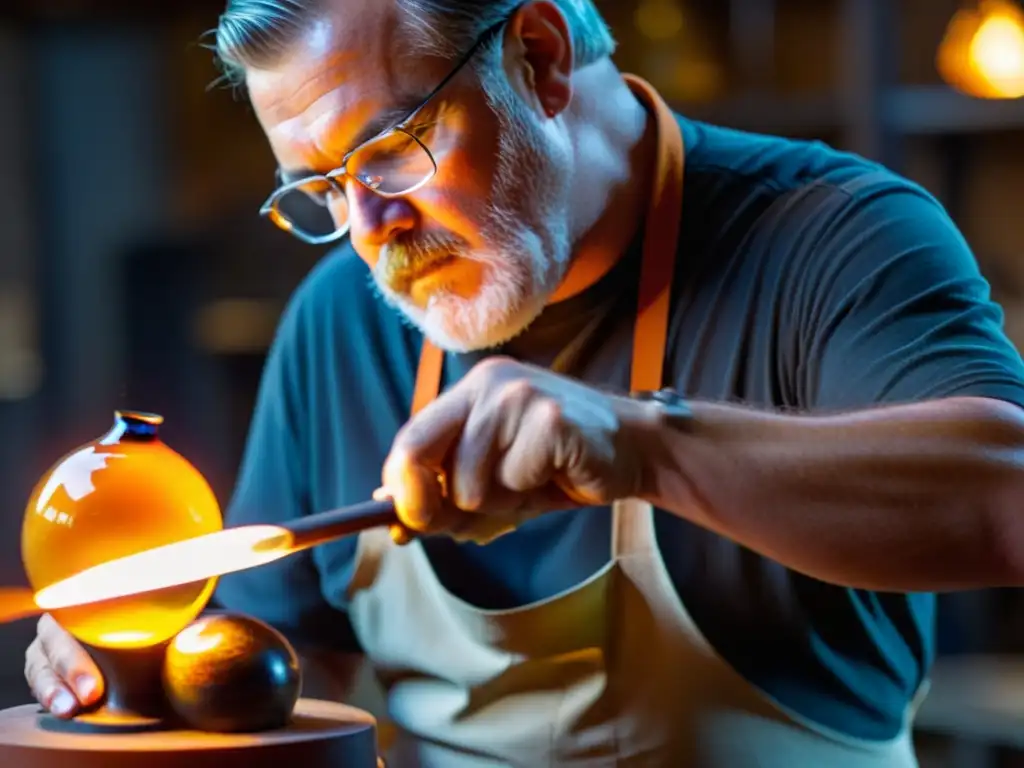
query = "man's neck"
{"x": 616, "y": 151}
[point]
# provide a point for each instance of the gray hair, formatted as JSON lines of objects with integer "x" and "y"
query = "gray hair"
{"x": 256, "y": 32}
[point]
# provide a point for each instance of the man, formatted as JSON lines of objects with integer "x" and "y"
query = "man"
{"x": 613, "y": 578}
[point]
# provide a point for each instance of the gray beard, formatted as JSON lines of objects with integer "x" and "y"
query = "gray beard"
{"x": 531, "y": 249}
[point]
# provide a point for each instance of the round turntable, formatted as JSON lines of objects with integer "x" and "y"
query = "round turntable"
{"x": 320, "y": 733}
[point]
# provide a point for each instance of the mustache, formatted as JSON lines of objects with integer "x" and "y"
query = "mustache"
{"x": 402, "y": 260}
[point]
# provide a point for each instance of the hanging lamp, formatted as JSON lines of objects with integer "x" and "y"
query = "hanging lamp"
{"x": 982, "y": 52}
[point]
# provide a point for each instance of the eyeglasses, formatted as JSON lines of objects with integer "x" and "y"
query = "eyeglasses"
{"x": 394, "y": 163}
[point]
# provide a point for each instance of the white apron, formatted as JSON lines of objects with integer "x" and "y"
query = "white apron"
{"x": 612, "y": 672}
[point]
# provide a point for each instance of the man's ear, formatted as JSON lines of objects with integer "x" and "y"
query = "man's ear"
{"x": 539, "y": 56}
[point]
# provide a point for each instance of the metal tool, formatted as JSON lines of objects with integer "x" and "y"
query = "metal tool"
{"x": 197, "y": 559}
{"x": 313, "y": 530}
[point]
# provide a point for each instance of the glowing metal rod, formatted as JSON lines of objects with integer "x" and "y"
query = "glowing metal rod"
{"x": 209, "y": 556}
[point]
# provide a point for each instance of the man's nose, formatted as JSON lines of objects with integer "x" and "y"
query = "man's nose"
{"x": 376, "y": 220}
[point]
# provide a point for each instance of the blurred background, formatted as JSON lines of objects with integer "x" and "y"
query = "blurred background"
{"x": 135, "y": 272}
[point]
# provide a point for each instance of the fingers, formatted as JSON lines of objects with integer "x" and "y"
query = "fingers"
{"x": 529, "y": 475}
{"x": 61, "y": 674}
{"x": 44, "y": 683}
{"x": 529, "y": 463}
{"x": 419, "y": 501}
{"x": 418, "y": 456}
{"x": 507, "y": 438}
{"x": 480, "y": 445}
{"x": 398, "y": 532}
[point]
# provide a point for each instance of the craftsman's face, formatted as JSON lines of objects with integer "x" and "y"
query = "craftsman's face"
{"x": 472, "y": 256}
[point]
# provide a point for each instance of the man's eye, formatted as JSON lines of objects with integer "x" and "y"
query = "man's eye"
{"x": 422, "y": 130}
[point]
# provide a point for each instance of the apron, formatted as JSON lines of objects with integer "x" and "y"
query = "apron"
{"x": 612, "y": 672}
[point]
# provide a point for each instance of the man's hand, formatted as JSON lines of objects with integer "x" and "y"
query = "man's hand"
{"x": 62, "y": 676}
{"x": 510, "y": 441}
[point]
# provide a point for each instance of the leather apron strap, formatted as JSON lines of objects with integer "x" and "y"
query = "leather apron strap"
{"x": 660, "y": 249}
{"x": 428, "y": 376}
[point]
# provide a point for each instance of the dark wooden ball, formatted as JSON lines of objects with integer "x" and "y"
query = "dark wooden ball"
{"x": 230, "y": 673}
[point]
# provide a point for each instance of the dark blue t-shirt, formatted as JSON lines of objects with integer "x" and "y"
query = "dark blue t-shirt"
{"x": 807, "y": 280}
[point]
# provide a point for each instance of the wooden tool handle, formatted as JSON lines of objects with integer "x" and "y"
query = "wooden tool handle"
{"x": 345, "y": 521}
{"x": 19, "y": 603}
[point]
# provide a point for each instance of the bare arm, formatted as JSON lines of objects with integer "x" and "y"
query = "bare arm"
{"x": 905, "y": 469}
{"x": 918, "y": 497}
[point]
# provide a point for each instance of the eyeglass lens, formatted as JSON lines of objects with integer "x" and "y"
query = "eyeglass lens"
{"x": 391, "y": 165}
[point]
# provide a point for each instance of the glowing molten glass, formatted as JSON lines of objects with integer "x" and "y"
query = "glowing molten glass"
{"x": 119, "y": 495}
{"x": 189, "y": 561}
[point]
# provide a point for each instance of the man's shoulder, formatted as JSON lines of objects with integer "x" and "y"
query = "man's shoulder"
{"x": 739, "y": 184}
{"x": 737, "y": 161}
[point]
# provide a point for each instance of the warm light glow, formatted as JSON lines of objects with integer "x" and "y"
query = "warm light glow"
{"x": 113, "y": 498}
{"x": 183, "y": 562}
{"x": 197, "y": 638}
{"x": 982, "y": 53}
{"x": 127, "y": 639}
{"x": 659, "y": 19}
{"x": 998, "y": 51}
{"x": 17, "y": 603}
{"x": 237, "y": 325}
{"x": 107, "y": 501}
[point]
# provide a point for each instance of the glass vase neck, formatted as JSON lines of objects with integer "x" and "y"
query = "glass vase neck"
{"x": 134, "y": 426}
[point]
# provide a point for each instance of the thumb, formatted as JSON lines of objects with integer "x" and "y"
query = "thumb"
{"x": 415, "y": 489}
{"x": 419, "y": 454}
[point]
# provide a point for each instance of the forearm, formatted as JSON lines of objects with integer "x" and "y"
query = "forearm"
{"x": 918, "y": 497}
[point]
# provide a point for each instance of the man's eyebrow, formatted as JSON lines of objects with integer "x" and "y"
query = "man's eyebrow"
{"x": 389, "y": 118}
{"x": 382, "y": 121}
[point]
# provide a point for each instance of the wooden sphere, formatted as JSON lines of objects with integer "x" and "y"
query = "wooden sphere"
{"x": 231, "y": 673}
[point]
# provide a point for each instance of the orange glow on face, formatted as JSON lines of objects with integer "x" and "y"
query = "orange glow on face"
{"x": 170, "y": 566}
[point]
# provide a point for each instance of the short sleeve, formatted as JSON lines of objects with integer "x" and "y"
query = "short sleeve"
{"x": 273, "y": 487}
{"x": 891, "y": 304}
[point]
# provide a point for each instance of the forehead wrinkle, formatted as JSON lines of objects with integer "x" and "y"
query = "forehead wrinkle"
{"x": 327, "y": 132}
{"x": 328, "y": 129}
{"x": 318, "y": 116}
{"x": 341, "y": 127}
{"x": 301, "y": 93}
{"x": 325, "y": 57}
